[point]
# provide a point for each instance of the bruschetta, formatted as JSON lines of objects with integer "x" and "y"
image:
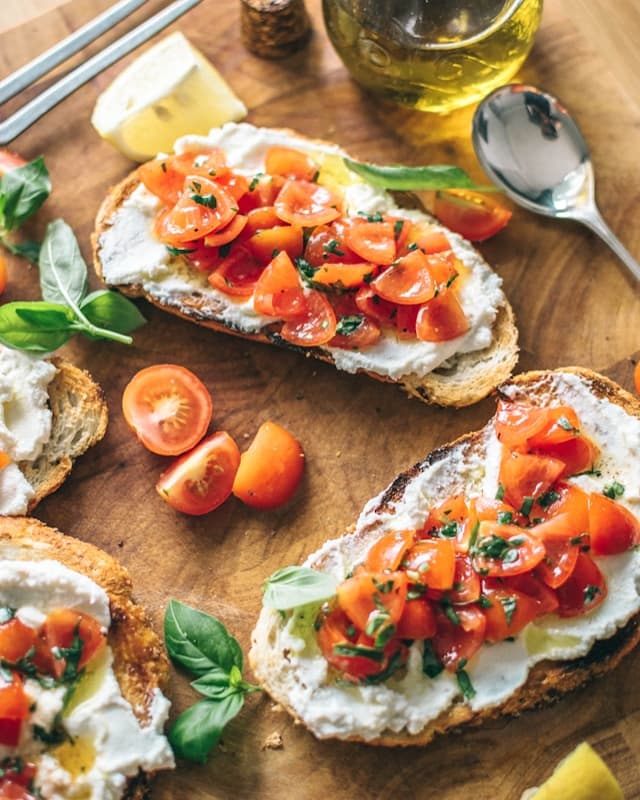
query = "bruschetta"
{"x": 496, "y": 574}
{"x": 51, "y": 412}
{"x": 81, "y": 672}
{"x": 266, "y": 234}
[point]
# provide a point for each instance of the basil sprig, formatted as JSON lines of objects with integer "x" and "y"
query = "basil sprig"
{"x": 291, "y": 587}
{"x": 201, "y": 644}
{"x": 401, "y": 178}
{"x": 66, "y": 308}
{"x": 22, "y": 191}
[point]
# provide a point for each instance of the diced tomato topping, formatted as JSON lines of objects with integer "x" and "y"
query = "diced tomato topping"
{"x": 260, "y": 219}
{"x": 583, "y": 591}
{"x": 418, "y": 620}
{"x": 365, "y": 334}
{"x": 510, "y": 611}
{"x": 265, "y": 244}
{"x": 516, "y": 423}
{"x": 263, "y": 190}
{"x": 578, "y": 455}
{"x": 326, "y": 245}
{"x": 237, "y": 274}
{"x": 290, "y": 163}
{"x": 315, "y": 326}
{"x": 60, "y": 630}
{"x": 278, "y": 292}
{"x": 343, "y": 276}
{"x": 524, "y": 476}
{"x": 372, "y": 241}
{"x": 443, "y": 268}
{"x": 432, "y": 562}
{"x": 407, "y": 281}
{"x": 466, "y": 582}
{"x": 228, "y": 233}
{"x": 14, "y": 709}
{"x": 388, "y": 551}
{"x": 306, "y": 204}
{"x": 405, "y": 321}
{"x": 203, "y": 207}
{"x": 236, "y": 185}
{"x": 561, "y": 425}
{"x": 164, "y": 177}
{"x": 433, "y": 242}
{"x": 336, "y": 632}
{"x": 365, "y": 595}
{"x": 460, "y": 634}
{"x": 528, "y": 584}
{"x": 474, "y": 215}
{"x": 612, "y": 529}
{"x": 375, "y": 307}
{"x": 571, "y": 500}
{"x": 203, "y": 258}
{"x": 16, "y": 639}
{"x": 441, "y": 319}
{"x": 503, "y": 550}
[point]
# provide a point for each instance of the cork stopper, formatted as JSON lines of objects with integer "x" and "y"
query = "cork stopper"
{"x": 274, "y": 28}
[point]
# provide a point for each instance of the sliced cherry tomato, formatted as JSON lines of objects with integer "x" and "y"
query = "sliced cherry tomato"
{"x": 202, "y": 479}
{"x": 3, "y": 274}
{"x": 455, "y": 641}
{"x": 528, "y": 476}
{"x": 388, "y": 551}
{"x": 453, "y": 509}
{"x": 444, "y": 269}
{"x": 278, "y": 292}
{"x": 167, "y": 407}
{"x": 203, "y": 208}
{"x": 363, "y": 335}
{"x": 16, "y": 639}
{"x": 407, "y": 281}
{"x": 474, "y": 215}
{"x": 562, "y": 425}
{"x": 236, "y": 185}
{"x": 336, "y": 631}
{"x": 59, "y": 631}
{"x": 516, "y": 423}
{"x": 466, "y": 582}
{"x": 290, "y": 163}
{"x": 368, "y": 594}
{"x": 271, "y": 469}
{"x": 10, "y": 790}
{"x": 9, "y": 160}
{"x": 343, "y": 276}
{"x": 260, "y": 219}
{"x": 307, "y": 204}
{"x": 441, "y": 319}
{"x": 612, "y": 528}
{"x": 263, "y": 190}
{"x": 433, "y": 241}
{"x": 418, "y": 620}
{"x": 578, "y": 455}
{"x": 432, "y": 562}
{"x": 510, "y": 611}
{"x": 375, "y": 307}
{"x": 571, "y": 500}
{"x": 14, "y": 709}
{"x": 203, "y": 258}
{"x": 495, "y": 510}
{"x": 585, "y": 589}
{"x": 17, "y": 777}
{"x": 372, "y": 241}
{"x": 405, "y": 321}
{"x": 237, "y": 274}
{"x": 228, "y": 233}
{"x": 265, "y": 244}
{"x": 559, "y": 561}
{"x": 528, "y": 584}
{"x": 503, "y": 550}
{"x": 326, "y": 246}
{"x": 315, "y": 327}
{"x": 164, "y": 177}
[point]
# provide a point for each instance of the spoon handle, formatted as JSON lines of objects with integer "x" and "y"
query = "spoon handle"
{"x": 592, "y": 218}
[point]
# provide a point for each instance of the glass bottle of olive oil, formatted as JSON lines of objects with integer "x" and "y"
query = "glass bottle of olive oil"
{"x": 432, "y": 55}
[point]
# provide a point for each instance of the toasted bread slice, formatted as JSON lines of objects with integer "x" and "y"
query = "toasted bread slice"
{"x": 287, "y": 661}
{"x": 79, "y": 420}
{"x": 139, "y": 660}
{"x": 461, "y": 379}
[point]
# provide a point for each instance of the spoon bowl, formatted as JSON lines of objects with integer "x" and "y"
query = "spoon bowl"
{"x": 529, "y": 145}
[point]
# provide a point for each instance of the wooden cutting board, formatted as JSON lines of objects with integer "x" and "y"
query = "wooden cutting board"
{"x": 574, "y": 305}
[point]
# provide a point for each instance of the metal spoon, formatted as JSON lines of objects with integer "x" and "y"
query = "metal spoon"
{"x": 529, "y": 146}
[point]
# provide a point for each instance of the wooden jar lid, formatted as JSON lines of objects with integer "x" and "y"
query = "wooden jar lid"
{"x": 274, "y": 28}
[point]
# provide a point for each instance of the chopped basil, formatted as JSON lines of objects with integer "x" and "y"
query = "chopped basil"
{"x": 527, "y": 505}
{"x": 224, "y": 250}
{"x": 450, "y": 613}
{"x": 498, "y": 549}
{"x": 412, "y": 246}
{"x": 351, "y": 631}
{"x": 398, "y": 225}
{"x": 377, "y": 217}
{"x": 473, "y": 537}
{"x": 56, "y": 735}
{"x": 6, "y": 613}
{"x": 505, "y": 517}
{"x": 564, "y": 423}
{"x": 383, "y": 588}
{"x": 306, "y": 269}
{"x": 451, "y": 279}
{"x": 359, "y": 651}
{"x": 333, "y": 247}
{"x": 484, "y": 602}
{"x": 179, "y": 251}
{"x": 590, "y": 593}
{"x": 580, "y": 540}
{"x": 392, "y": 666}
{"x": 255, "y": 180}
{"x": 416, "y": 591}
{"x": 431, "y": 664}
{"x": 449, "y": 531}
{"x": 208, "y": 200}
{"x": 464, "y": 682}
{"x": 509, "y": 604}
{"x": 548, "y": 498}
{"x": 349, "y": 324}
{"x": 500, "y": 492}
{"x": 613, "y": 490}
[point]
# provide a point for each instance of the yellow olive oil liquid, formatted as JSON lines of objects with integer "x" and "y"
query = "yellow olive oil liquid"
{"x": 432, "y": 55}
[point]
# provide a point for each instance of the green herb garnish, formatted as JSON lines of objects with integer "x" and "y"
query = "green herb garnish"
{"x": 402, "y": 178}
{"x": 349, "y": 324}
{"x": 590, "y": 593}
{"x": 431, "y": 664}
{"x": 613, "y": 490}
{"x": 509, "y": 605}
{"x": 291, "y": 587}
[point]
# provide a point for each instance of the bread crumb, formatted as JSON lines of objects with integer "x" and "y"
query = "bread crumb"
{"x": 273, "y": 741}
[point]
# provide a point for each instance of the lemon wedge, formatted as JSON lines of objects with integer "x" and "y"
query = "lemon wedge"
{"x": 582, "y": 775}
{"x": 169, "y": 91}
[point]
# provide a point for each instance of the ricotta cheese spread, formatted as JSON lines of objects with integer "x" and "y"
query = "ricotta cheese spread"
{"x": 410, "y": 701}
{"x": 130, "y": 254}
{"x": 25, "y": 422}
{"x": 105, "y": 743}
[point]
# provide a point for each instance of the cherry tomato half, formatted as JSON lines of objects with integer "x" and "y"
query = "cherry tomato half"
{"x": 202, "y": 479}
{"x": 271, "y": 469}
{"x": 474, "y": 215}
{"x": 168, "y": 408}
{"x": 59, "y": 631}
{"x": 9, "y": 160}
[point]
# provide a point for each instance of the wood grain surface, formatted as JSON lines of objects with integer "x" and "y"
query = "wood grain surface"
{"x": 574, "y": 303}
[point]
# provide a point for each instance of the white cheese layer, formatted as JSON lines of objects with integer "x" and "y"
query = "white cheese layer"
{"x": 25, "y": 422}
{"x": 107, "y": 744}
{"x": 130, "y": 253}
{"x": 411, "y": 701}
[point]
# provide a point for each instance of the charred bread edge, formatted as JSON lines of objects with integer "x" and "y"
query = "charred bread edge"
{"x": 547, "y": 680}
{"x": 140, "y": 662}
{"x": 440, "y": 386}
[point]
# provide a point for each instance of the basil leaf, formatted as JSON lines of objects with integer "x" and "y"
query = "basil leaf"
{"x": 198, "y": 641}
{"x": 24, "y": 190}
{"x": 36, "y": 326}
{"x": 218, "y": 684}
{"x": 401, "y": 178}
{"x": 290, "y": 587}
{"x": 198, "y": 729}
{"x": 347, "y": 325}
{"x": 29, "y": 249}
{"x": 63, "y": 273}
{"x": 108, "y": 309}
